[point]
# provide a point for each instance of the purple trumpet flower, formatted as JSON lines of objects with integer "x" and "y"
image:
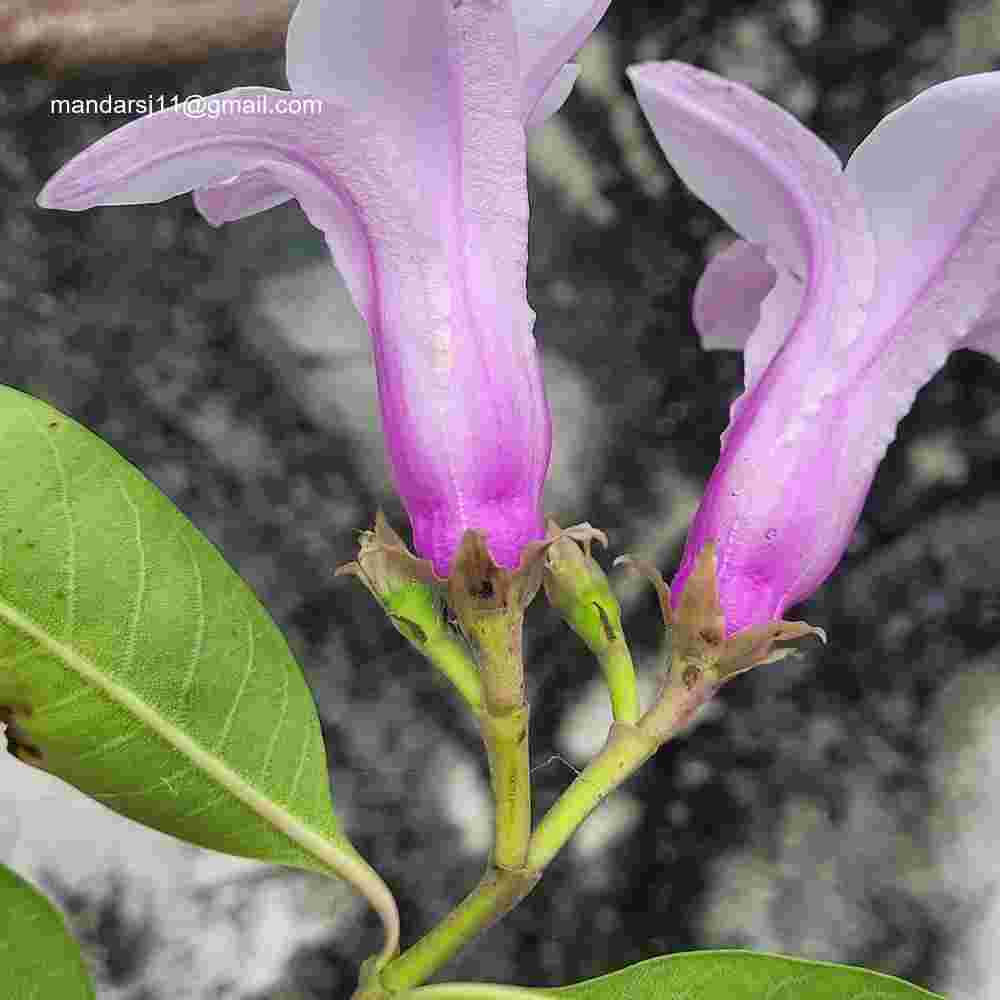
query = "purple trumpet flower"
{"x": 848, "y": 290}
{"x": 412, "y": 163}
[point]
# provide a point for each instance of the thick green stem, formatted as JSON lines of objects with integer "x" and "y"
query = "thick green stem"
{"x": 519, "y": 859}
{"x": 449, "y": 656}
{"x": 496, "y": 637}
{"x": 506, "y": 738}
{"x": 499, "y": 892}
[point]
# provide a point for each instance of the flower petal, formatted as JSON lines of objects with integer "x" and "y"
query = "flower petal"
{"x": 385, "y": 54}
{"x": 767, "y": 504}
{"x": 238, "y": 197}
{"x": 432, "y": 237}
{"x": 484, "y": 401}
{"x": 924, "y": 172}
{"x": 936, "y": 222}
{"x": 389, "y": 53}
{"x": 767, "y": 175}
{"x": 837, "y": 452}
{"x": 773, "y": 181}
{"x": 279, "y": 154}
{"x": 555, "y": 97}
{"x": 728, "y": 296}
{"x": 549, "y": 34}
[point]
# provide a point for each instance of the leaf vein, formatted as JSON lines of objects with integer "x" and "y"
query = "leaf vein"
{"x": 248, "y": 670}
{"x": 273, "y": 742}
{"x": 306, "y": 746}
{"x": 199, "y": 635}
{"x": 131, "y": 638}
{"x": 69, "y": 570}
{"x": 113, "y": 744}
{"x": 325, "y": 845}
{"x": 54, "y": 706}
{"x": 203, "y": 807}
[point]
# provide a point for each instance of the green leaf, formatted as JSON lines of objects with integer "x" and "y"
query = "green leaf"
{"x": 741, "y": 975}
{"x": 706, "y": 975}
{"x": 39, "y": 957}
{"x": 137, "y": 665}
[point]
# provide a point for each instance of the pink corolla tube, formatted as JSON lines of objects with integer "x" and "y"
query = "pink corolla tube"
{"x": 846, "y": 292}
{"x": 403, "y": 139}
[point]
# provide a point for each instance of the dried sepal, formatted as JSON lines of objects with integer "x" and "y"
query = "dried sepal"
{"x": 698, "y": 611}
{"x": 559, "y": 540}
{"x": 700, "y": 644}
{"x": 384, "y": 563}
{"x": 754, "y": 647}
{"x": 572, "y": 576}
{"x": 655, "y": 577}
{"x": 477, "y": 582}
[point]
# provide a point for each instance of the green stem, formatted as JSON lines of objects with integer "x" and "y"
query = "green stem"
{"x": 501, "y": 889}
{"x": 506, "y": 738}
{"x": 628, "y": 747}
{"x": 496, "y": 634}
{"x": 496, "y": 637}
{"x": 498, "y": 892}
{"x": 448, "y": 655}
{"x": 626, "y": 750}
{"x": 619, "y": 674}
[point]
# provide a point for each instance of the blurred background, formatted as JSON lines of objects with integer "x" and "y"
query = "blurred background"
{"x": 843, "y": 805}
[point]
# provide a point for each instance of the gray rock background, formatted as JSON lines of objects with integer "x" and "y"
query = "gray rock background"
{"x": 840, "y": 806}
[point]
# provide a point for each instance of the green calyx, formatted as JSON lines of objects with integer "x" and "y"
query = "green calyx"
{"x": 409, "y": 593}
{"x": 594, "y": 615}
{"x": 415, "y": 612}
{"x": 401, "y": 583}
{"x": 578, "y": 589}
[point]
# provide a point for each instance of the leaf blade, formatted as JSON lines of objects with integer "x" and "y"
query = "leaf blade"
{"x": 705, "y": 975}
{"x": 742, "y": 975}
{"x": 38, "y": 955}
{"x": 144, "y": 669}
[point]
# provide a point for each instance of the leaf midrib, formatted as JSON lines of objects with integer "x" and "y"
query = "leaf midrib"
{"x": 341, "y": 859}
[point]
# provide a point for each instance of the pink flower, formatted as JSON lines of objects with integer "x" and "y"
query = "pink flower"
{"x": 412, "y": 163}
{"x": 847, "y": 292}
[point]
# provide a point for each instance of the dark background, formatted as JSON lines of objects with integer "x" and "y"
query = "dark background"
{"x": 815, "y": 810}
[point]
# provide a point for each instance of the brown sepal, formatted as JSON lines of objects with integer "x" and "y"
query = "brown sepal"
{"x": 385, "y": 564}
{"x": 560, "y": 541}
{"x": 570, "y": 569}
{"x": 653, "y": 575}
{"x": 477, "y": 582}
{"x": 699, "y": 643}
{"x": 753, "y": 647}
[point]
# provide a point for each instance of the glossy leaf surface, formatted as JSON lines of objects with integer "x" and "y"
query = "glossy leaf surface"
{"x": 39, "y": 958}
{"x": 138, "y": 666}
{"x": 741, "y": 975}
{"x": 706, "y": 975}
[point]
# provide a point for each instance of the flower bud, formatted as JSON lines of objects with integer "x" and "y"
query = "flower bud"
{"x": 577, "y": 588}
{"x": 400, "y": 582}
